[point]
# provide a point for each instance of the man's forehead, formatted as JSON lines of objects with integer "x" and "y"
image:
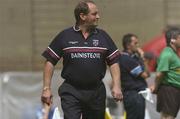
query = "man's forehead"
{"x": 133, "y": 38}
{"x": 92, "y": 6}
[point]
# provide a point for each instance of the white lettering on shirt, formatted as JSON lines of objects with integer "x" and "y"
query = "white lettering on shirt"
{"x": 85, "y": 55}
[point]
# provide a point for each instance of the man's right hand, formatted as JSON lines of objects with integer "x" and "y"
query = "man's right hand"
{"x": 46, "y": 97}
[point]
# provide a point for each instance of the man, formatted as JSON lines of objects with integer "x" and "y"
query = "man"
{"x": 85, "y": 50}
{"x": 134, "y": 71}
{"x": 167, "y": 82}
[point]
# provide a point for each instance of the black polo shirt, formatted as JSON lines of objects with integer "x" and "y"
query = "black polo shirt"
{"x": 131, "y": 68}
{"x": 84, "y": 60}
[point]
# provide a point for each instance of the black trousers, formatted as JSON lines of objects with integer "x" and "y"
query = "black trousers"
{"x": 134, "y": 105}
{"x": 88, "y": 103}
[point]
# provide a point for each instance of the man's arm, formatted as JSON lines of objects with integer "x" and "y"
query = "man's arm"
{"x": 158, "y": 78}
{"x": 154, "y": 88}
{"x": 46, "y": 96}
{"x": 116, "y": 84}
{"x": 47, "y": 75}
{"x": 145, "y": 74}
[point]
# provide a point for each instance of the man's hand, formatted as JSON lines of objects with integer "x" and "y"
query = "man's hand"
{"x": 116, "y": 93}
{"x": 153, "y": 89}
{"x": 46, "y": 97}
{"x": 140, "y": 52}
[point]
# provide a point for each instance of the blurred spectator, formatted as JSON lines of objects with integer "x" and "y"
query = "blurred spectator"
{"x": 134, "y": 70}
{"x": 167, "y": 83}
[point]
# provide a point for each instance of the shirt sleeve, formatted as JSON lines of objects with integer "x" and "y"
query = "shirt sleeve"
{"x": 130, "y": 65}
{"x": 53, "y": 52}
{"x": 113, "y": 53}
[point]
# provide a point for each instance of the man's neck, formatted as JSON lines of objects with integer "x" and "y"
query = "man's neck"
{"x": 129, "y": 51}
{"x": 86, "y": 31}
{"x": 173, "y": 47}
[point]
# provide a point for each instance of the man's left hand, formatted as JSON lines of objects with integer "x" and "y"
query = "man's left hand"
{"x": 116, "y": 93}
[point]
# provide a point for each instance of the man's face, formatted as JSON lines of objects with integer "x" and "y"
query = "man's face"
{"x": 134, "y": 44}
{"x": 92, "y": 17}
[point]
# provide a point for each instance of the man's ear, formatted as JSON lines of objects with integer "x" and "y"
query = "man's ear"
{"x": 82, "y": 16}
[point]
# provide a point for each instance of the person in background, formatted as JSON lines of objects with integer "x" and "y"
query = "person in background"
{"x": 167, "y": 81}
{"x": 85, "y": 50}
{"x": 134, "y": 71}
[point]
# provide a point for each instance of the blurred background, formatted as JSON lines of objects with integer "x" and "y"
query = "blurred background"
{"x": 28, "y": 26}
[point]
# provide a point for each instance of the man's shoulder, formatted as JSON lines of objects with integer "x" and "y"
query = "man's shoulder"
{"x": 65, "y": 31}
{"x": 101, "y": 30}
{"x": 167, "y": 52}
{"x": 69, "y": 29}
{"x": 167, "y": 49}
{"x": 125, "y": 57}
